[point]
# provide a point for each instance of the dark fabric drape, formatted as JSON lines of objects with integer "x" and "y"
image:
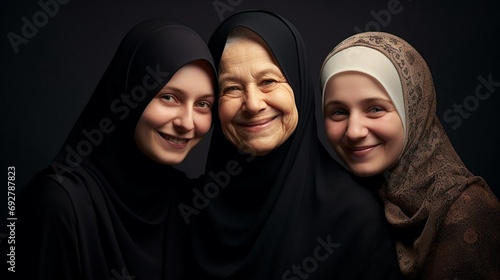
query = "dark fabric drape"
{"x": 294, "y": 213}
{"x": 102, "y": 209}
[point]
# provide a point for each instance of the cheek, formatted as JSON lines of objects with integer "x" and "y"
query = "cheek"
{"x": 334, "y": 131}
{"x": 228, "y": 108}
{"x": 283, "y": 100}
{"x": 203, "y": 123}
{"x": 392, "y": 131}
{"x": 155, "y": 115}
{"x": 140, "y": 134}
{"x": 292, "y": 119}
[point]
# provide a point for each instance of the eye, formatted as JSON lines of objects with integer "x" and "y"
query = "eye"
{"x": 337, "y": 114}
{"x": 232, "y": 90}
{"x": 204, "y": 105}
{"x": 168, "y": 98}
{"x": 268, "y": 84}
{"x": 376, "y": 111}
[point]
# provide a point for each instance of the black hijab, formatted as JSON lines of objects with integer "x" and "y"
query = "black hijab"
{"x": 294, "y": 213}
{"x": 115, "y": 212}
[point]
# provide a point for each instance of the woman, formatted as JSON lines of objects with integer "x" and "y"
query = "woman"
{"x": 106, "y": 207}
{"x": 279, "y": 208}
{"x": 380, "y": 118}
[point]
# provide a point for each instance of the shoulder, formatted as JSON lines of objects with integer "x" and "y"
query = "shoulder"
{"x": 45, "y": 199}
{"x": 477, "y": 201}
{"x": 476, "y": 210}
{"x": 470, "y": 229}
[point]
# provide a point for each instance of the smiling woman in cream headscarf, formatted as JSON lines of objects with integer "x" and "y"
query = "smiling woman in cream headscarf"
{"x": 446, "y": 221}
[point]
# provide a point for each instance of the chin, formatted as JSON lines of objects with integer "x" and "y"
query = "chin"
{"x": 169, "y": 159}
{"x": 362, "y": 172}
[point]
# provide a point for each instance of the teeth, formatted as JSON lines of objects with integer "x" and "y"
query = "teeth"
{"x": 174, "y": 140}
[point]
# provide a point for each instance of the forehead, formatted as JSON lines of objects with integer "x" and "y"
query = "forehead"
{"x": 352, "y": 85}
{"x": 241, "y": 49}
{"x": 247, "y": 56}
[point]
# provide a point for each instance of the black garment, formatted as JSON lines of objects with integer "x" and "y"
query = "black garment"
{"x": 103, "y": 210}
{"x": 294, "y": 213}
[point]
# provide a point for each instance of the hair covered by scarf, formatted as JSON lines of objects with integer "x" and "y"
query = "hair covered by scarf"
{"x": 446, "y": 220}
{"x": 271, "y": 213}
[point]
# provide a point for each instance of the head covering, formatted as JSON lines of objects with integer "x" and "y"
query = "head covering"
{"x": 125, "y": 203}
{"x": 370, "y": 62}
{"x": 443, "y": 216}
{"x": 294, "y": 211}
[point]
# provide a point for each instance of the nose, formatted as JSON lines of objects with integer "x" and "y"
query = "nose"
{"x": 356, "y": 127}
{"x": 253, "y": 100}
{"x": 184, "y": 120}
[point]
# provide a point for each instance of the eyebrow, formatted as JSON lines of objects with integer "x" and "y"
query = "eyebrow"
{"x": 376, "y": 99}
{"x": 333, "y": 102}
{"x": 180, "y": 91}
{"x": 364, "y": 101}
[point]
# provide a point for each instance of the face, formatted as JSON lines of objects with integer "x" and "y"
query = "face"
{"x": 362, "y": 124}
{"x": 179, "y": 116}
{"x": 256, "y": 105}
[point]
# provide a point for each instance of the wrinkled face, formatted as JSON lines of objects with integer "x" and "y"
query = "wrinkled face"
{"x": 256, "y": 105}
{"x": 362, "y": 124}
{"x": 178, "y": 116}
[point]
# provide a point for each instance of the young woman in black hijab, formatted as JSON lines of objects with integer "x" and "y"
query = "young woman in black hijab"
{"x": 290, "y": 213}
{"x": 106, "y": 208}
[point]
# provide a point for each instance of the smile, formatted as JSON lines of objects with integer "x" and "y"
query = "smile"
{"x": 361, "y": 151}
{"x": 178, "y": 142}
{"x": 254, "y": 126}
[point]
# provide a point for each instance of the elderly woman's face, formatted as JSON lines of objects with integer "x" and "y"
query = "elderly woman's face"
{"x": 256, "y": 106}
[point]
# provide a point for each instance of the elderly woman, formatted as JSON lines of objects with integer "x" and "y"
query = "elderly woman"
{"x": 274, "y": 205}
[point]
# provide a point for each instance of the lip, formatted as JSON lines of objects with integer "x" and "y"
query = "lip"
{"x": 257, "y": 125}
{"x": 174, "y": 142}
{"x": 361, "y": 151}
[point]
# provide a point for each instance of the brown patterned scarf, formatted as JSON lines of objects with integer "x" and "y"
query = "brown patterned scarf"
{"x": 446, "y": 220}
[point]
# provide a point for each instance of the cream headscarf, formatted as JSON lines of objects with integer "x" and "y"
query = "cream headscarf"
{"x": 446, "y": 221}
{"x": 370, "y": 62}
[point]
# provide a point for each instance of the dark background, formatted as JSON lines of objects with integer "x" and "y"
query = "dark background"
{"x": 47, "y": 82}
